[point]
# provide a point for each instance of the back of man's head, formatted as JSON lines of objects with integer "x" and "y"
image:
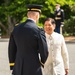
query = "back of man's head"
{"x": 33, "y": 15}
{"x": 34, "y": 11}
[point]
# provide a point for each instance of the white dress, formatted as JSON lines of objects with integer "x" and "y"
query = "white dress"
{"x": 57, "y": 60}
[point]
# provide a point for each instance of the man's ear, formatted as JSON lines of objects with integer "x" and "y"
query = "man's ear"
{"x": 37, "y": 16}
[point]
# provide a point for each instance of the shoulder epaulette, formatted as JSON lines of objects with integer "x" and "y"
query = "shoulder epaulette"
{"x": 18, "y": 24}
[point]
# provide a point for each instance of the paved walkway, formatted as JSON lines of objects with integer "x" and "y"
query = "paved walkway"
{"x": 67, "y": 39}
{"x": 70, "y": 39}
{"x": 4, "y": 64}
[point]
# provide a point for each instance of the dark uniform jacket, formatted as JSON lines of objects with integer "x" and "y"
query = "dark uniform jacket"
{"x": 59, "y": 19}
{"x": 59, "y": 15}
{"x": 27, "y": 41}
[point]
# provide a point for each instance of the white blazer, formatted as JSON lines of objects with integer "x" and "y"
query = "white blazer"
{"x": 58, "y": 59}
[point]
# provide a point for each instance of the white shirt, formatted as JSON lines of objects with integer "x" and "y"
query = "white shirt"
{"x": 58, "y": 9}
{"x": 58, "y": 59}
{"x": 59, "y": 49}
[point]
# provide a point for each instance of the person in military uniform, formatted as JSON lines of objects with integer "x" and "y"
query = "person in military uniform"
{"x": 27, "y": 48}
{"x": 59, "y": 18}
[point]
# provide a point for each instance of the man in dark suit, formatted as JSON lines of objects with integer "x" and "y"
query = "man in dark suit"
{"x": 27, "y": 41}
{"x": 59, "y": 18}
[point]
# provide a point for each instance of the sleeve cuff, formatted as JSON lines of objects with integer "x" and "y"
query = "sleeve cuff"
{"x": 42, "y": 64}
{"x": 11, "y": 66}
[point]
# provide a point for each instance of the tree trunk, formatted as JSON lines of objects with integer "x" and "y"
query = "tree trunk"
{"x": 10, "y": 24}
{"x": 3, "y": 26}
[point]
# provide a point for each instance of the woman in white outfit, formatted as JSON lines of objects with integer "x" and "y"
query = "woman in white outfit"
{"x": 58, "y": 60}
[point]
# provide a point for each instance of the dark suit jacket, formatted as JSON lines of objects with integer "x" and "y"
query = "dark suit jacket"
{"x": 26, "y": 42}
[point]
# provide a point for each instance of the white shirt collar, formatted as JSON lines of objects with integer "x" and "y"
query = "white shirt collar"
{"x": 52, "y": 35}
{"x": 58, "y": 9}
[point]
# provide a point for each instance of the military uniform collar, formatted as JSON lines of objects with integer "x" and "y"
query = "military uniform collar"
{"x": 31, "y": 19}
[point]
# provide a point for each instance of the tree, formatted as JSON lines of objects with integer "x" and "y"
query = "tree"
{"x": 13, "y": 12}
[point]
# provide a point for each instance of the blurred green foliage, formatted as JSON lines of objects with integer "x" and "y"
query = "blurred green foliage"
{"x": 13, "y": 12}
{"x": 69, "y": 26}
